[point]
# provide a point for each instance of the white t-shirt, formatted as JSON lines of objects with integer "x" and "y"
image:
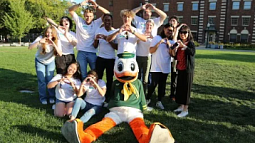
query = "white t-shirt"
{"x": 93, "y": 96}
{"x": 64, "y": 91}
{"x": 140, "y": 24}
{"x": 143, "y": 48}
{"x": 49, "y": 56}
{"x": 105, "y": 49}
{"x": 85, "y": 33}
{"x": 127, "y": 42}
{"x": 161, "y": 59}
{"x": 67, "y": 47}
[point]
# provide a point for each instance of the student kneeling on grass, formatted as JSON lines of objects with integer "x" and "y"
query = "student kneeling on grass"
{"x": 95, "y": 90}
{"x": 67, "y": 85}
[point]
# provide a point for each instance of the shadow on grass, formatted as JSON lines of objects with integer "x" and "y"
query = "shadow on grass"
{"x": 11, "y": 84}
{"x": 34, "y": 131}
{"x": 219, "y": 111}
{"x": 191, "y": 130}
{"x": 229, "y": 57}
{"x": 223, "y": 92}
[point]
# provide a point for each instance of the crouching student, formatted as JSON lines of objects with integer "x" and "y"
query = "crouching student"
{"x": 95, "y": 90}
{"x": 67, "y": 85}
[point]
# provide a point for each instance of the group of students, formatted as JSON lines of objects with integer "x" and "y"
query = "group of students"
{"x": 96, "y": 42}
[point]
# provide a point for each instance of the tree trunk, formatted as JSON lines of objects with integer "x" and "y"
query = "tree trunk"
{"x": 19, "y": 41}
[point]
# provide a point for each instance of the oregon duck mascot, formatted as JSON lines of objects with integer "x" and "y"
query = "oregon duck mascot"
{"x": 126, "y": 105}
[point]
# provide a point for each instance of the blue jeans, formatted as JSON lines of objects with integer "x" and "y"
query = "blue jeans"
{"x": 45, "y": 72}
{"x": 90, "y": 109}
{"x": 84, "y": 58}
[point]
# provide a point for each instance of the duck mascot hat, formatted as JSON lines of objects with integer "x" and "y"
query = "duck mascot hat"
{"x": 126, "y": 104}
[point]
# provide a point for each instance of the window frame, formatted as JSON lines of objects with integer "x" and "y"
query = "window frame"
{"x": 238, "y": 5}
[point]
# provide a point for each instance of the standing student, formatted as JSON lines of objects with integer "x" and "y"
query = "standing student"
{"x": 85, "y": 33}
{"x": 95, "y": 90}
{"x": 48, "y": 47}
{"x": 66, "y": 87}
{"x": 127, "y": 35}
{"x": 143, "y": 55}
{"x": 106, "y": 53}
{"x": 140, "y": 22}
{"x": 160, "y": 65}
{"x": 173, "y": 21}
{"x": 185, "y": 56}
{"x": 68, "y": 42}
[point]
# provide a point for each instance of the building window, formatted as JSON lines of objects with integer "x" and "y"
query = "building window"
{"x": 179, "y": 6}
{"x": 194, "y": 6}
{"x": 194, "y": 20}
{"x": 247, "y": 5}
{"x": 234, "y": 21}
{"x": 236, "y": 5}
{"x": 166, "y": 6}
{"x": 180, "y": 19}
{"x": 212, "y": 6}
{"x": 233, "y": 38}
{"x": 111, "y": 3}
{"x": 211, "y": 20}
{"x": 244, "y": 38}
{"x": 246, "y": 21}
{"x": 154, "y": 4}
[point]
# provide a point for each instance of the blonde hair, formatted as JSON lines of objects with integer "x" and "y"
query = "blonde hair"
{"x": 127, "y": 12}
{"x": 151, "y": 21}
{"x": 54, "y": 39}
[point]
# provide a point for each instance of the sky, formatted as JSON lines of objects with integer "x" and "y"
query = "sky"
{"x": 77, "y": 1}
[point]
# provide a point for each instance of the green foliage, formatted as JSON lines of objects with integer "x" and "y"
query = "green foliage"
{"x": 239, "y": 46}
{"x": 19, "y": 21}
{"x": 196, "y": 44}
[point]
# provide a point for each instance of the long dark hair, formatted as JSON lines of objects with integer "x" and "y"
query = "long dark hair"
{"x": 186, "y": 28}
{"x": 69, "y": 19}
{"x": 162, "y": 34}
{"x": 77, "y": 74}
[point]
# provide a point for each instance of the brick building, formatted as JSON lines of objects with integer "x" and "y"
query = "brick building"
{"x": 229, "y": 20}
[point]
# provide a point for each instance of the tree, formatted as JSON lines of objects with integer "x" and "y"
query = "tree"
{"x": 19, "y": 21}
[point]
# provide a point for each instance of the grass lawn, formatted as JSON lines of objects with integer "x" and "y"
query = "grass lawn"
{"x": 222, "y": 106}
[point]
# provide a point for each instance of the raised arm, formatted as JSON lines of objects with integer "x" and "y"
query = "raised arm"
{"x": 135, "y": 10}
{"x": 96, "y": 6}
{"x": 161, "y": 14}
{"x": 76, "y": 6}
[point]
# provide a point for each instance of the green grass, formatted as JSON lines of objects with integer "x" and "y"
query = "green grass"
{"x": 222, "y": 106}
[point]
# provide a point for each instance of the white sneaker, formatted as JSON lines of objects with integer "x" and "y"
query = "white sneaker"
{"x": 160, "y": 105}
{"x": 44, "y": 102}
{"x": 149, "y": 108}
{"x": 178, "y": 110}
{"x": 183, "y": 114}
{"x": 53, "y": 106}
{"x": 52, "y": 101}
{"x": 148, "y": 102}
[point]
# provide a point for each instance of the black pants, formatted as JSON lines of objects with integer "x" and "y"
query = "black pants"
{"x": 107, "y": 64}
{"x": 173, "y": 81}
{"x": 183, "y": 89}
{"x": 158, "y": 78}
{"x": 62, "y": 62}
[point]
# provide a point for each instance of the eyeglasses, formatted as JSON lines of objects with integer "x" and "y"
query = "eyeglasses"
{"x": 183, "y": 32}
{"x": 126, "y": 34}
